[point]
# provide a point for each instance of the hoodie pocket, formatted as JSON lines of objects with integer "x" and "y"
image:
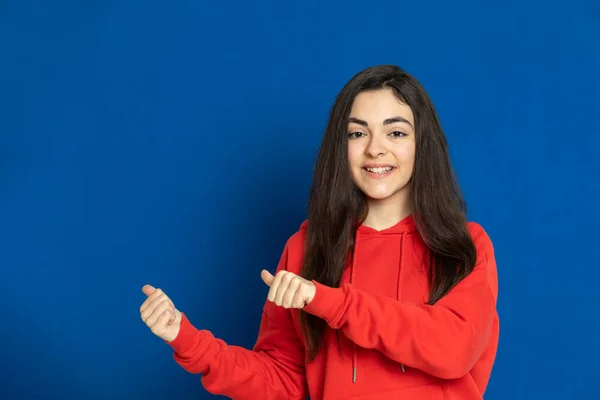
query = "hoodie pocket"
{"x": 423, "y": 392}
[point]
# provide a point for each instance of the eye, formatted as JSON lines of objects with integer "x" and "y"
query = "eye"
{"x": 355, "y": 135}
{"x": 398, "y": 134}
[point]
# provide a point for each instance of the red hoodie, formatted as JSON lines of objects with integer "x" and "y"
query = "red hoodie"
{"x": 393, "y": 345}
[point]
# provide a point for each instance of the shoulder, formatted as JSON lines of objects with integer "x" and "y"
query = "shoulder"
{"x": 480, "y": 237}
{"x": 294, "y": 249}
{"x": 296, "y": 241}
{"x": 485, "y": 254}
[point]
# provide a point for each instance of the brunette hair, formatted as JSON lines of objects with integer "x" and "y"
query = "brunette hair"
{"x": 336, "y": 206}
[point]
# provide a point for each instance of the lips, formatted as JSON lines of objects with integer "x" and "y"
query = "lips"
{"x": 379, "y": 169}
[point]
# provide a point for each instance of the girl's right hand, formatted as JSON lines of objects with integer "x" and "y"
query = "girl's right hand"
{"x": 160, "y": 315}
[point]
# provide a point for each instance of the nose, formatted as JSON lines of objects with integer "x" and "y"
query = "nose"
{"x": 376, "y": 146}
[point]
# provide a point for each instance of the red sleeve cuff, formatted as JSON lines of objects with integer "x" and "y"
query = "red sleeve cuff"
{"x": 189, "y": 339}
{"x": 327, "y": 304}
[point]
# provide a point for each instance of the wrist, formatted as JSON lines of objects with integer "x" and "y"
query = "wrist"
{"x": 327, "y": 303}
{"x": 312, "y": 293}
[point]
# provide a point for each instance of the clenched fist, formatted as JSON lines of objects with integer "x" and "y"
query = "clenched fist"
{"x": 160, "y": 314}
{"x": 288, "y": 289}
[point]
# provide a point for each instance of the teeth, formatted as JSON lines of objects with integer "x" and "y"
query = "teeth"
{"x": 380, "y": 170}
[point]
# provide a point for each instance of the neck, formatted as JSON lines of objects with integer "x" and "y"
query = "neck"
{"x": 386, "y": 213}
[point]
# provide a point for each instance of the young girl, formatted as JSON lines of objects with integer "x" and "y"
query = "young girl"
{"x": 385, "y": 292}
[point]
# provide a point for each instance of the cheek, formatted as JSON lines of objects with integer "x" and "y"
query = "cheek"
{"x": 405, "y": 156}
{"x": 354, "y": 155}
{"x": 405, "y": 153}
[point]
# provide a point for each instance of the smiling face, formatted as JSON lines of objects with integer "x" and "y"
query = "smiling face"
{"x": 381, "y": 146}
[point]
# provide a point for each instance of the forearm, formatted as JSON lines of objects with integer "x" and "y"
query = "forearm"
{"x": 443, "y": 340}
{"x": 267, "y": 372}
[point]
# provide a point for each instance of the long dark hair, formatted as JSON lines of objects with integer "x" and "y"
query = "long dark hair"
{"x": 336, "y": 206}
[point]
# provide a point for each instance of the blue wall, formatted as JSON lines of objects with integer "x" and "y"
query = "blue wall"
{"x": 172, "y": 143}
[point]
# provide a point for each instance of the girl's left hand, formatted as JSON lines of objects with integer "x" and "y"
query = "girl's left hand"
{"x": 288, "y": 289}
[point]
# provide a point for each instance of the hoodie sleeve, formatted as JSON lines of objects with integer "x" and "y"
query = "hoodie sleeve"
{"x": 272, "y": 370}
{"x": 443, "y": 340}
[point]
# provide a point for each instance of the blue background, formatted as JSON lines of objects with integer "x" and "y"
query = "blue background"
{"x": 172, "y": 143}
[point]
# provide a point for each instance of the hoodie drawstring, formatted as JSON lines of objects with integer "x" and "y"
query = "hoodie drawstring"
{"x": 399, "y": 284}
{"x": 354, "y": 358}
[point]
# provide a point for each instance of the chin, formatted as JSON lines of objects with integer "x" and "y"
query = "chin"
{"x": 379, "y": 198}
{"x": 385, "y": 194}
{"x": 378, "y": 195}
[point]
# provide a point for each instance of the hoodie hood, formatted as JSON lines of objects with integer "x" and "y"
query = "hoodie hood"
{"x": 405, "y": 225}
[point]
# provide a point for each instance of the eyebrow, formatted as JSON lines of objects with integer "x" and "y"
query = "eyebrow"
{"x": 385, "y": 122}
